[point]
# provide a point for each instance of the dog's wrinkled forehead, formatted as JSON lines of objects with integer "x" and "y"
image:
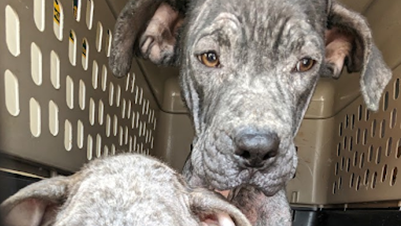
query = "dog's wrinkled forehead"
{"x": 259, "y": 24}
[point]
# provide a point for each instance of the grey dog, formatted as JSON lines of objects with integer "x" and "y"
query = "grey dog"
{"x": 128, "y": 189}
{"x": 248, "y": 70}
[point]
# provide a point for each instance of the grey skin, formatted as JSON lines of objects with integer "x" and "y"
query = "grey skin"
{"x": 247, "y": 109}
{"x": 123, "y": 190}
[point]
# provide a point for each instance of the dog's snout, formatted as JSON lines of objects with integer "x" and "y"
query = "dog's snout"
{"x": 255, "y": 148}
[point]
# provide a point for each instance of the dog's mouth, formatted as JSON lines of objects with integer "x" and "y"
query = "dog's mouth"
{"x": 247, "y": 181}
{"x": 267, "y": 182}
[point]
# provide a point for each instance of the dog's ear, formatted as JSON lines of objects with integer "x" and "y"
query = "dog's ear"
{"x": 36, "y": 204}
{"x": 214, "y": 210}
{"x": 148, "y": 28}
{"x": 349, "y": 43}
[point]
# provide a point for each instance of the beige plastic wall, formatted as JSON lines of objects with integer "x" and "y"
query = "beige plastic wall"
{"x": 60, "y": 106}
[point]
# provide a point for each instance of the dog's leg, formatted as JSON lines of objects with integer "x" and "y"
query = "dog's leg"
{"x": 262, "y": 210}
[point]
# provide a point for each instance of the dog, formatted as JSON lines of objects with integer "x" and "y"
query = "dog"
{"x": 127, "y": 189}
{"x": 248, "y": 70}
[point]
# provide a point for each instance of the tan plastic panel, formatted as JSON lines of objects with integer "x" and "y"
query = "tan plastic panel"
{"x": 384, "y": 18}
{"x": 366, "y": 164}
{"x": 116, "y": 6}
{"x": 59, "y": 104}
{"x": 332, "y": 95}
{"x": 358, "y": 6}
{"x": 174, "y": 138}
{"x": 165, "y": 86}
{"x": 314, "y": 142}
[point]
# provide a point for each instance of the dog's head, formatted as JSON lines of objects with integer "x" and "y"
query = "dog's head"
{"x": 121, "y": 190}
{"x": 248, "y": 71}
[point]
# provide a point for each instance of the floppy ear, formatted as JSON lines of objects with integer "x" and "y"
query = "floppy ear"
{"x": 214, "y": 210}
{"x": 349, "y": 43}
{"x": 36, "y": 204}
{"x": 148, "y": 28}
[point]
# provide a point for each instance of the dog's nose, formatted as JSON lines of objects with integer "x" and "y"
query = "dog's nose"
{"x": 255, "y": 148}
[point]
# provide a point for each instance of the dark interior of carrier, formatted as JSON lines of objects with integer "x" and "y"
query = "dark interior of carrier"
{"x": 61, "y": 107}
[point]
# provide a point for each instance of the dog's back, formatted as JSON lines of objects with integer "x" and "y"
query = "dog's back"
{"x": 121, "y": 190}
{"x": 125, "y": 189}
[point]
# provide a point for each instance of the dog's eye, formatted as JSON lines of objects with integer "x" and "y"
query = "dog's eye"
{"x": 304, "y": 64}
{"x": 209, "y": 59}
